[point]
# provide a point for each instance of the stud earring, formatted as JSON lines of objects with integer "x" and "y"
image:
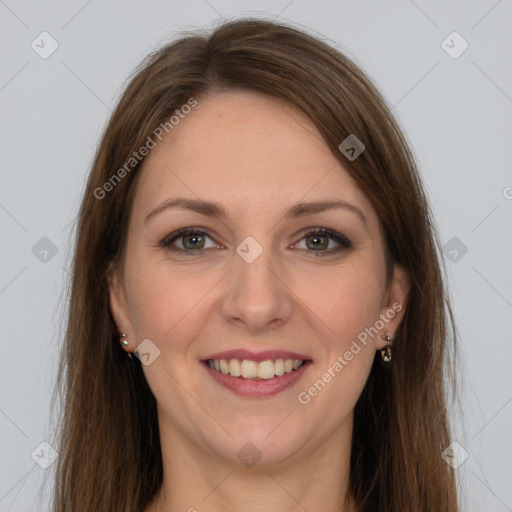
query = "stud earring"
{"x": 386, "y": 353}
{"x": 124, "y": 342}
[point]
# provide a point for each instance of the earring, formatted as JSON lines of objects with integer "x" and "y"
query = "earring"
{"x": 124, "y": 342}
{"x": 386, "y": 352}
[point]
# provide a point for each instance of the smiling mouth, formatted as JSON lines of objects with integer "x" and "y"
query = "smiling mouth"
{"x": 255, "y": 370}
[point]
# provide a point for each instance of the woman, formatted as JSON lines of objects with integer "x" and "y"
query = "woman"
{"x": 257, "y": 318}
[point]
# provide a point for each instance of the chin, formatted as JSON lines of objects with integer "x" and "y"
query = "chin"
{"x": 261, "y": 442}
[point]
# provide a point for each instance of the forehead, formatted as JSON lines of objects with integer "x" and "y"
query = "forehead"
{"x": 248, "y": 151}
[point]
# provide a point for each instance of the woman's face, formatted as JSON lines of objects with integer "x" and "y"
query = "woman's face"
{"x": 253, "y": 282}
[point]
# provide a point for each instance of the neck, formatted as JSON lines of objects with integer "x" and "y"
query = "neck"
{"x": 197, "y": 481}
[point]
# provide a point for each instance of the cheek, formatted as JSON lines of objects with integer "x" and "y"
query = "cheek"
{"x": 351, "y": 306}
{"x": 345, "y": 300}
{"x": 348, "y": 303}
{"x": 166, "y": 304}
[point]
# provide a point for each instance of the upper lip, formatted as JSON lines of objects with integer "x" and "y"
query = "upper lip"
{"x": 257, "y": 356}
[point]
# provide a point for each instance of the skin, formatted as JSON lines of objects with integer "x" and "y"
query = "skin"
{"x": 257, "y": 157}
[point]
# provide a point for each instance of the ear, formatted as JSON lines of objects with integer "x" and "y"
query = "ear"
{"x": 117, "y": 301}
{"x": 394, "y": 303}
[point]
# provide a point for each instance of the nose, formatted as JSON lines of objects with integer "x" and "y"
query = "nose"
{"x": 257, "y": 297}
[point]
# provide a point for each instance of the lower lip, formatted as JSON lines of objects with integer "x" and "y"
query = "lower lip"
{"x": 255, "y": 388}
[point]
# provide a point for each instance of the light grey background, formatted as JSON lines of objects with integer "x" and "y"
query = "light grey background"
{"x": 456, "y": 111}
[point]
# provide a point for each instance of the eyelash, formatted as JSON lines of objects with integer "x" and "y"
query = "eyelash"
{"x": 343, "y": 241}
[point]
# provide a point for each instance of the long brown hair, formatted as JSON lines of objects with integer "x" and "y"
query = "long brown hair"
{"x": 110, "y": 454}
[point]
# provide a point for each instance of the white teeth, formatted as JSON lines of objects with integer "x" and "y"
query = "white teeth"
{"x": 266, "y": 369}
{"x": 249, "y": 369}
{"x": 224, "y": 366}
{"x": 235, "y": 368}
{"x": 279, "y": 367}
{"x": 252, "y": 369}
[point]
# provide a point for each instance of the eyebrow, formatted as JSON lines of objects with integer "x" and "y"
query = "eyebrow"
{"x": 213, "y": 209}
